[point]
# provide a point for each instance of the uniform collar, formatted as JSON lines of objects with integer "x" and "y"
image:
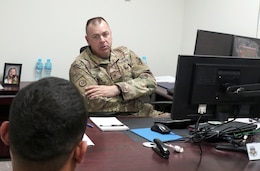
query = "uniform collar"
{"x": 99, "y": 60}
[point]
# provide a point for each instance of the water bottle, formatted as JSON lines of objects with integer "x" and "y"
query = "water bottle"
{"x": 38, "y": 70}
{"x": 47, "y": 68}
{"x": 144, "y": 59}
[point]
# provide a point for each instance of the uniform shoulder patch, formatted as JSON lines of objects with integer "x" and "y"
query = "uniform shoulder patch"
{"x": 82, "y": 83}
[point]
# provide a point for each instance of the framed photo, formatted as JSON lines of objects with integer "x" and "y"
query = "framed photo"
{"x": 246, "y": 47}
{"x": 12, "y": 74}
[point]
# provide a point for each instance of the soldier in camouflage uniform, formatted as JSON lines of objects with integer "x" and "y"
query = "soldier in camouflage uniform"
{"x": 111, "y": 79}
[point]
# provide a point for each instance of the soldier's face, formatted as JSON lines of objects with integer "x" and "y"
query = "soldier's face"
{"x": 99, "y": 37}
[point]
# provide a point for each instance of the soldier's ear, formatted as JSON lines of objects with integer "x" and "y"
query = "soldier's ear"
{"x": 86, "y": 37}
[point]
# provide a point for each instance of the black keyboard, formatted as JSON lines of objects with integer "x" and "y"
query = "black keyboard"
{"x": 175, "y": 124}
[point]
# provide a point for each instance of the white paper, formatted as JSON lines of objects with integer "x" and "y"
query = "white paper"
{"x": 169, "y": 79}
{"x": 89, "y": 141}
{"x": 109, "y": 124}
{"x": 1, "y": 87}
{"x": 253, "y": 151}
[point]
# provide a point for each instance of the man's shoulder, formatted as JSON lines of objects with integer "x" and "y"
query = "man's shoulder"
{"x": 77, "y": 60}
{"x": 120, "y": 49}
{"x": 81, "y": 58}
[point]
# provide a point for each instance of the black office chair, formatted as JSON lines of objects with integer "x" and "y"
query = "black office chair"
{"x": 164, "y": 106}
{"x": 82, "y": 49}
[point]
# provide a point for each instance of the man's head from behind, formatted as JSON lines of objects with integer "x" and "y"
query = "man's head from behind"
{"x": 47, "y": 120}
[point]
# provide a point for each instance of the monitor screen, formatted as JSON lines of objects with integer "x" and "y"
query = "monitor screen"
{"x": 221, "y": 86}
{"x": 246, "y": 47}
{"x": 213, "y": 43}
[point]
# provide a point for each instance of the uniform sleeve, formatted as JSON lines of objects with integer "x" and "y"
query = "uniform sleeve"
{"x": 82, "y": 77}
{"x": 143, "y": 82}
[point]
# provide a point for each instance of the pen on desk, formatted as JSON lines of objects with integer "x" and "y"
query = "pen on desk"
{"x": 89, "y": 125}
{"x": 111, "y": 125}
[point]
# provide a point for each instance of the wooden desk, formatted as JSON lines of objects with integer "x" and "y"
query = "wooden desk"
{"x": 6, "y": 98}
{"x": 116, "y": 151}
{"x": 7, "y": 94}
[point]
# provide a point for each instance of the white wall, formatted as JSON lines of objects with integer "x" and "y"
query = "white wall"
{"x": 157, "y": 29}
{"x": 56, "y": 28}
{"x": 238, "y": 17}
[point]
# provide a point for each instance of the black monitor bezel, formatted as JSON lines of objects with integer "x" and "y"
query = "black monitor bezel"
{"x": 182, "y": 107}
{"x": 213, "y": 43}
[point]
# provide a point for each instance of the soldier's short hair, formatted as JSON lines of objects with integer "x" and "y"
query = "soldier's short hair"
{"x": 95, "y": 20}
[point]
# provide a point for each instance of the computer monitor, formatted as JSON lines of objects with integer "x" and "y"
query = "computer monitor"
{"x": 213, "y": 43}
{"x": 219, "y": 83}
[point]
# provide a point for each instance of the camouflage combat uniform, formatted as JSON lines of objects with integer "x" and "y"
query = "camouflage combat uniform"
{"x": 124, "y": 69}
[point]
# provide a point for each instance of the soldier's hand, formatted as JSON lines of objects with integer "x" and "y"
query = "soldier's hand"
{"x": 96, "y": 91}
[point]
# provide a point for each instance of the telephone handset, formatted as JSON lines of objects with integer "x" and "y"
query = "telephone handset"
{"x": 161, "y": 149}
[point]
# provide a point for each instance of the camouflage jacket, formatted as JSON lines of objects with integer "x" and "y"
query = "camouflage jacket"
{"x": 124, "y": 69}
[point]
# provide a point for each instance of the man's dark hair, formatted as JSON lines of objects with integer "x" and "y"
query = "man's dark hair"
{"x": 47, "y": 120}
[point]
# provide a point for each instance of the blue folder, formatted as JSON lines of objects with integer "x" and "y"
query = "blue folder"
{"x": 150, "y": 135}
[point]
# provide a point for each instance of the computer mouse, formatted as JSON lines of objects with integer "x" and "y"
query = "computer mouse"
{"x": 161, "y": 128}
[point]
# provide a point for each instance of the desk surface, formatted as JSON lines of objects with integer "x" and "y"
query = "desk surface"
{"x": 8, "y": 93}
{"x": 117, "y": 151}
{"x": 6, "y": 98}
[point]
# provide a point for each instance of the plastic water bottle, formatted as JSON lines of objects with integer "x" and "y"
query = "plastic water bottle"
{"x": 47, "y": 68}
{"x": 144, "y": 59}
{"x": 38, "y": 69}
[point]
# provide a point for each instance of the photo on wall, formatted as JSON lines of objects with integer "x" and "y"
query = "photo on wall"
{"x": 12, "y": 74}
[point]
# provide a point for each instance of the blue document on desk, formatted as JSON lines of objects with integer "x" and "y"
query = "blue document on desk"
{"x": 150, "y": 135}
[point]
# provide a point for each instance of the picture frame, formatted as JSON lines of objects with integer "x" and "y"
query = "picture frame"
{"x": 12, "y": 74}
{"x": 246, "y": 47}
